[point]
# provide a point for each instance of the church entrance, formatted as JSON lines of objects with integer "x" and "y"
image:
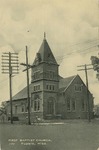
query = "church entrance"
{"x": 51, "y": 106}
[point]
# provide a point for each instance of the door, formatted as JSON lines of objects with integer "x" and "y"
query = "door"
{"x": 50, "y": 106}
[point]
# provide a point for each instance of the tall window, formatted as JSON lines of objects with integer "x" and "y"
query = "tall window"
{"x": 83, "y": 105}
{"x": 68, "y": 104}
{"x": 73, "y": 105}
{"x": 37, "y": 104}
{"x": 47, "y": 86}
{"x": 53, "y": 87}
{"x": 50, "y": 87}
{"x": 50, "y": 106}
{"x": 23, "y": 108}
{"x": 16, "y": 109}
{"x": 26, "y": 108}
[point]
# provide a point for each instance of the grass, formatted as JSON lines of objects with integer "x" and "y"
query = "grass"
{"x": 72, "y": 135}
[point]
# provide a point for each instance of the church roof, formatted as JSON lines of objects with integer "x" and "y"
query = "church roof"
{"x": 45, "y": 54}
{"x": 23, "y": 93}
{"x": 63, "y": 85}
{"x": 65, "y": 82}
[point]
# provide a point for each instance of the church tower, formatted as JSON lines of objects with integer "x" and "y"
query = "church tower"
{"x": 45, "y": 80}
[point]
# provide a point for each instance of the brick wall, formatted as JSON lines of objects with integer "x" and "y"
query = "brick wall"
{"x": 79, "y": 97}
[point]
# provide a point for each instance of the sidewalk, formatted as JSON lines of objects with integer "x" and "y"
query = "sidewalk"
{"x": 54, "y": 122}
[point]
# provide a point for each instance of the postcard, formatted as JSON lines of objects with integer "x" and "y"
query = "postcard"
{"x": 49, "y": 75}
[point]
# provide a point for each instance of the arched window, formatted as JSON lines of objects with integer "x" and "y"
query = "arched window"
{"x": 73, "y": 104}
{"x": 23, "y": 108}
{"x": 37, "y": 104}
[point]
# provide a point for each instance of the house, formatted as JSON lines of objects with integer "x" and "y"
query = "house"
{"x": 52, "y": 96}
{"x": 96, "y": 111}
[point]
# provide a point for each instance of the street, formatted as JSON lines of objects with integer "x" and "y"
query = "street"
{"x": 73, "y": 135}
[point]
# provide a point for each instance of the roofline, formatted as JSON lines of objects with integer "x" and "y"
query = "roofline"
{"x": 16, "y": 99}
{"x": 73, "y": 80}
{"x": 86, "y": 86}
{"x": 70, "y": 83}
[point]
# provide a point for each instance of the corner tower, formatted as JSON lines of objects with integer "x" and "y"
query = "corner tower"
{"x": 45, "y": 82}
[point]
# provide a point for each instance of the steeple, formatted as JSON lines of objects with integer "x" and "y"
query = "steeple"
{"x": 44, "y": 35}
{"x": 45, "y": 54}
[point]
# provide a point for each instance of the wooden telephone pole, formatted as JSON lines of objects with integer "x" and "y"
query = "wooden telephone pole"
{"x": 86, "y": 74}
{"x": 10, "y": 66}
{"x": 28, "y": 91}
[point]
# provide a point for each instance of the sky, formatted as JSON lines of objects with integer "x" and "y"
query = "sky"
{"x": 71, "y": 28}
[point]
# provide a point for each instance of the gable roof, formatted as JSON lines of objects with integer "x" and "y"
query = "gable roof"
{"x": 45, "y": 54}
{"x": 65, "y": 82}
{"x": 23, "y": 93}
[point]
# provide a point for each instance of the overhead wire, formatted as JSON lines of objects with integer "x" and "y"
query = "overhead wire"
{"x": 60, "y": 58}
{"x": 78, "y": 51}
{"x": 88, "y": 41}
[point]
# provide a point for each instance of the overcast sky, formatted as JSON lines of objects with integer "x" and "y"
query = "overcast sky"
{"x": 71, "y": 28}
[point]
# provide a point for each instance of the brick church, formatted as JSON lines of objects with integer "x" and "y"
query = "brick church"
{"x": 52, "y": 96}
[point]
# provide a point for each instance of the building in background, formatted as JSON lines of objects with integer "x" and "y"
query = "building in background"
{"x": 96, "y": 111}
{"x": 52, "y": 96}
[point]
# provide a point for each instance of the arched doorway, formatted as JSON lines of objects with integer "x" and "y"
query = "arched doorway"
{"x": 51, "y": 106}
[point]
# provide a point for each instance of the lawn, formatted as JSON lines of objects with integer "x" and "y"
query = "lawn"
{"x": 68, "y": 136}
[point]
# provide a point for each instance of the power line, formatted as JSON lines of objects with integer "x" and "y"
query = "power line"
{"x": 90, "y": 42}
{"x": 84, "y": 42}
{"x": 76, "y": 51}
{"x": 69, "y": 54}
{"x": 60, "y": 58}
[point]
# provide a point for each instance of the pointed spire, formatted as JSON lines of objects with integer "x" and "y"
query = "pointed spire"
{"x": 44, "y": 35}
{"x": 45, "y": 53}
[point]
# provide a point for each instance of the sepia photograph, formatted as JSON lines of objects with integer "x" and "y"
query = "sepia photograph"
{"x": 49, "y": 75}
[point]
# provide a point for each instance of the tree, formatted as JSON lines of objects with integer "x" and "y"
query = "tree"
{"x": 3, "y": 107}
{"x": 95, "y": 63}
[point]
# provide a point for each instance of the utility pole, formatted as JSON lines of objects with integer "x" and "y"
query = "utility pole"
{"x": 10, "y": 85}
{"x": 86, "y": 74}
{"x": 10, "y": 66}
{"x": 28, "y": 91}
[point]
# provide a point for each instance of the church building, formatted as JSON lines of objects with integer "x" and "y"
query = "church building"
{"x": 51, "y": 96}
